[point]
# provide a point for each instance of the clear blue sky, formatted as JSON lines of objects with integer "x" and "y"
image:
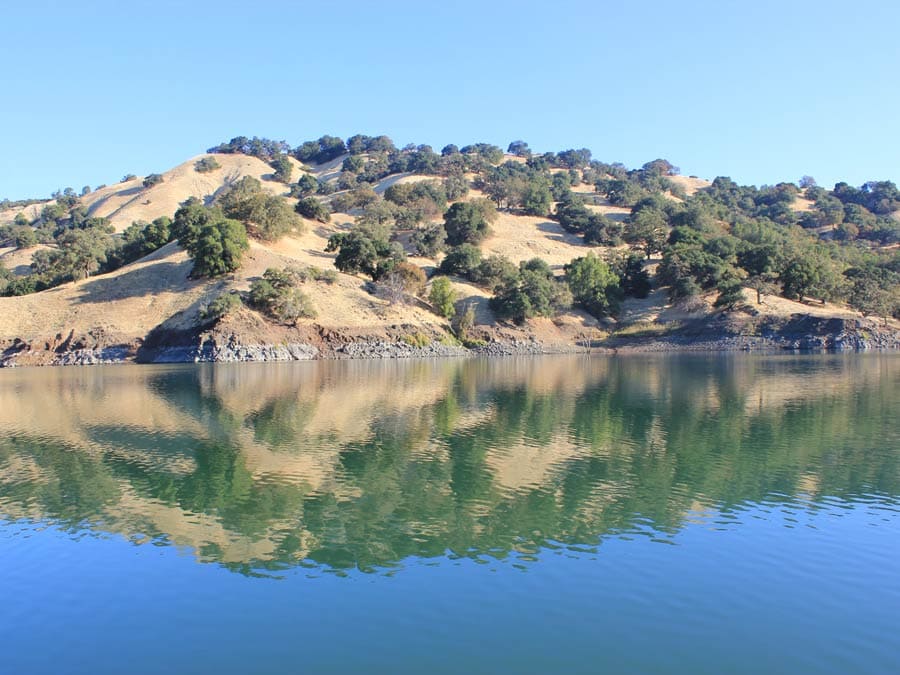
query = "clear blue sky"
{"x": 759, "y": 91}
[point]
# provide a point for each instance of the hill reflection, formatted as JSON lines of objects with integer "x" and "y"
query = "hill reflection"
{"x": 361, "y": 465}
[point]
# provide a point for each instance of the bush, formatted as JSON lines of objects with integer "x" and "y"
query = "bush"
{"x": 215, "y": 243}
{"x": 462, "y": 260}
{"x": 283, "y": 168}
{"x": 25, "y": 237}
{"x": 318, "y": 274}
{"x": 495, "y": 272}
{"x": 312, "y": 208}
{"x": 153, "y": 179}
{"x": 428, "y": 241}
{"x": 266, "y": 216}
{"x": 277, "y": 295}
{"x": 365, "y": 249}
{"x": 468, "y": 222}
{"x": 419, "y": 340}
{"x": 594, "y": 285}
{"x": 442, "y": 297}
{"x": 220, "y": 307}
{"x": 206, "y": 165}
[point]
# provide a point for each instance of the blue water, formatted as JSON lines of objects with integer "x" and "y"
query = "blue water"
{"x": 685, "y": 515}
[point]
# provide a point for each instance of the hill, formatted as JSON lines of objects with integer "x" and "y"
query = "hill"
{"x": 341, "y": 233}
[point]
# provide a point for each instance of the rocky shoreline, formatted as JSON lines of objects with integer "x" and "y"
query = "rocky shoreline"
{"x": 802, "y": 333}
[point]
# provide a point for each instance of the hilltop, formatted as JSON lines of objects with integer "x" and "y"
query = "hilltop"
{"x": 256, "y": 250}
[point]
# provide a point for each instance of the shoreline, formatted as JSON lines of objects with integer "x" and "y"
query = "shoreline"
{"x": 234, "y": 351}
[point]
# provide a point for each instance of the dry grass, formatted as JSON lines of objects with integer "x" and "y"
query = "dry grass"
{"x": 131, "y": 301}
{"x": 524, "y": 237}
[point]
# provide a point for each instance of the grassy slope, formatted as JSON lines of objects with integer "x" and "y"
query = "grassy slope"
{"x": 129, "y": 302}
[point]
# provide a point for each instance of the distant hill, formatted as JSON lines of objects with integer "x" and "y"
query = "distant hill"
{"x": 87, "y": 279}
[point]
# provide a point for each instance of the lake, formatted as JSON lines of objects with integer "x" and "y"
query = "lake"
{"x": 678, "y": 514}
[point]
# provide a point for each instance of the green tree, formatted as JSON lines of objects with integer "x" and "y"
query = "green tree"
{"x": 462, "y": 260}
{"x": 536, "y": 198}
{"x": 365, "y": 249}
{"x": 310, "y": 207}
{"x": 594, "y": 285}
{"x": 468, "y": 222}
{"x": 266, "y": 216}
{"x": 153, "y": 179}
{"x": 220, "y": 307}
{"x": 429, "y": 240}
{"x": 307, "y": 185}
{"x": 283, "y": 168}
{"x": 24, "y": 237}
{"x": 218, "y": 248}
{"x": 495, "y": 272}
{"x": 648, "y": 230}
{"x": 731, "y": 292}
{"x": 442, "y": 297}
{"x": 764, "y": 283}
{"x": 799, "y": 276}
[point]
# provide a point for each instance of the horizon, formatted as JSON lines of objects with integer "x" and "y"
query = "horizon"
{"x": 757, "y": 94}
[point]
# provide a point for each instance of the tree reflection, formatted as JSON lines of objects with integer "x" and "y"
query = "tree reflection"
{"x": 363, "y": 465}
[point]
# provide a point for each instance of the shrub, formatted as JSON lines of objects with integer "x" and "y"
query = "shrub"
{"x": 468, "y": 222}
{"x": 462, "y": 260}
{"x": 153, "y": 179}
{"x": 220, "y": 307}
{"x": 594, "y": 285}
{"x": 442, "y": 297}
{"x": 418, "y": 340}
{"x": 277, "y": 295}
{"x": 25, "y": 237}
{"x": 266, "y": 216}
{"x": 206, "y": 165}
{"x": 428, "y": 241}
{"x": 318, "y": 274}
{"x": 310, "y": 207}
{"x": 365, "y": 249}
{"x": 283, "y": 168}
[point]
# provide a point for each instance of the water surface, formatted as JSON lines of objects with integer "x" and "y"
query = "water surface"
{"x": 675, "y": 514}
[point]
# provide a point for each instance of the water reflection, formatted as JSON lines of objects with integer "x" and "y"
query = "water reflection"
{"x": 364, "y": 464}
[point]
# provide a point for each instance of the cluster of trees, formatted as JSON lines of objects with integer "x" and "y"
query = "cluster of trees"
{"x": 727, "y": 237}
{"x": 263, "y": 148}
{"x": 215, "y": 242}
{"x": 532, "y": 289}
{"x": 595, "y": 228}
{"x": 367, "y": 249}
{"x": 266, "y": 216}
{"x": 278, "y": 294}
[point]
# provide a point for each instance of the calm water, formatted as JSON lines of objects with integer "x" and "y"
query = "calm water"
{"x": 557, "y": 514}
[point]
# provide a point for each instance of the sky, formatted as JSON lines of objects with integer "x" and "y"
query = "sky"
{"x": 762, "y": 92}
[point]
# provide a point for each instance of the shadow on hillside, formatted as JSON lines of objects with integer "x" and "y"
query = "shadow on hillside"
{"x": 130, "y": 192}
{"x": 618, "y": 217}
{"x": 164, "y": 276}
{"x": 554, "y": 232}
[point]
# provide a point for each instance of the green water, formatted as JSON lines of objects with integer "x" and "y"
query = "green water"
{"x": 673, "y": 514}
